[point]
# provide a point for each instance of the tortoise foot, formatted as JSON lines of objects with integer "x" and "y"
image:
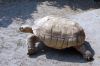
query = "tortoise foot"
{"x": 88, "y": 56}
{"x": 31, "y": 51}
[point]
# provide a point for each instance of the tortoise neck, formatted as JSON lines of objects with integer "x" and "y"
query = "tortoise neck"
{"x": 31, "y": 31}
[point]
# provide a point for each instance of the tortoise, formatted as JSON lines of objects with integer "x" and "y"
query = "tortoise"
{"x": 58, "y": 33}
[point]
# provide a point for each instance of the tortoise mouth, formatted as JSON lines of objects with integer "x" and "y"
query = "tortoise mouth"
{"x": 21, "y": 29}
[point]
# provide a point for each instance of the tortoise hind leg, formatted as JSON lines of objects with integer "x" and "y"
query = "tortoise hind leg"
{"x": 31, "y": 41}
{"x": 87, "y": 54}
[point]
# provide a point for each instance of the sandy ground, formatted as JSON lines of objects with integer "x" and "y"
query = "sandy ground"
{"x": 13, "y": 50}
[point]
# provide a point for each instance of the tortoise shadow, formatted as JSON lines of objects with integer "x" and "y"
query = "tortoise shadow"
{"x": 65, "y": 55}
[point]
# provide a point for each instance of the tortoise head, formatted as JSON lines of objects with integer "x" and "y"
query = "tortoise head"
{"x": 26, "y": 29}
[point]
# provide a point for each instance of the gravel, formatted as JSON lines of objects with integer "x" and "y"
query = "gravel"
{"x": 13, "y": 50}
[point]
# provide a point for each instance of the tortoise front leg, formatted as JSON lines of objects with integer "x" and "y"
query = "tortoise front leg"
{"x": 87, "y": 54}
{"x": 31, "y": 41}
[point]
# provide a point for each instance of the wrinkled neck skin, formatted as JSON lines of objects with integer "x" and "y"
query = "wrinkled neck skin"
{"x": 30, "y": 31}
{"x": 27, "y": 30}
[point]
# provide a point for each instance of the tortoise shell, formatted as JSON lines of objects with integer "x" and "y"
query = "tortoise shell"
{"x": 58, "y": 32}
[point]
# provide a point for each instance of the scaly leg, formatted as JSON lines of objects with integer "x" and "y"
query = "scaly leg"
{"x": 87, "y": 54}
{"x": 31, "y": 41}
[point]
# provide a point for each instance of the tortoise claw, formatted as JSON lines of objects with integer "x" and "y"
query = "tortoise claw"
{"x": 89, "y": 59}
{"x": 31, "y": 51}
{"x": 88, "y": 56}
